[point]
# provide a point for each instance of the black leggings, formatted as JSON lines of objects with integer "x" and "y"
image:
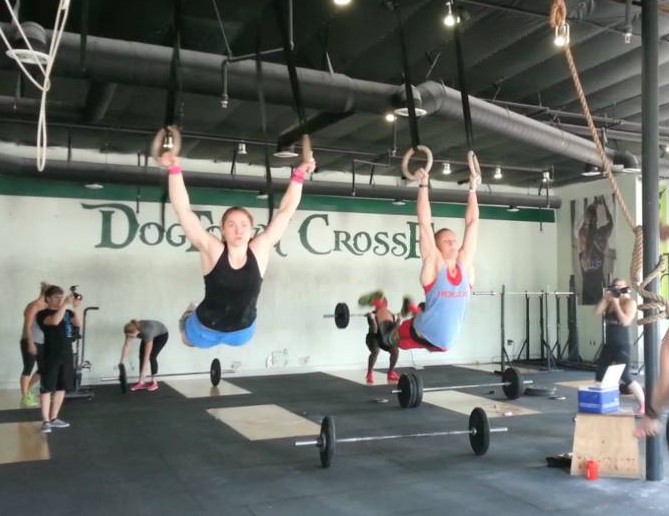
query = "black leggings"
{"x": 614, "y": 354}
{"x": 158, "y": 344}
{"x": 28, "y": 359}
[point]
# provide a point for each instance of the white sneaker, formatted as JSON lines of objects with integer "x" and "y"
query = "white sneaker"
{"x": 59, "y": 423}
{"x": 46, "y": 427}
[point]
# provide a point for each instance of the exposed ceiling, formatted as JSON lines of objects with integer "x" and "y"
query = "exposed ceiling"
{"x": 110, "y": 95}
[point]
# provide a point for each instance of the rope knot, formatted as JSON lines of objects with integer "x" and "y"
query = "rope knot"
{"x": 558, "y": 14}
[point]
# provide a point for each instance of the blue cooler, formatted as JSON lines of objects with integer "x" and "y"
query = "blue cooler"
{"x": 598, "y": 400}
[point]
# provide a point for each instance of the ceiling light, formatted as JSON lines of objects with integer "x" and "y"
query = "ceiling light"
{"x": 498, "y": 173}
{"x": 94, "y": 186}
{"x": 342, "y": 2}
{"x": 400, "y": 100}
{"x": 446, "y": 170}
{"x": 628, "y": 36}
{"x": 241, "y": 149}
{"x": 546, "y": 177}
{"x": 591, "y": 171}
{"x": 286, "y": 152}
{"x": 450, "y": 19}
{"x": 561, "y": 35}
{"x": 404, "y": 111}
{"x": 262, "y": 195}
{"x": 399, "y": 202}
{"x": 36, "y": 36}
{"x": 390, "y": 117}
{"x": 513, "y": 209}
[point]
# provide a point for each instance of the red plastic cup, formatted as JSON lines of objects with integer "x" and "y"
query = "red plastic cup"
{"x": 591, "y": 470}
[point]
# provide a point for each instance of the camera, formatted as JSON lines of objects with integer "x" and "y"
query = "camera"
{"x": 77, "y": 295}
{"x": 617, "y": 292}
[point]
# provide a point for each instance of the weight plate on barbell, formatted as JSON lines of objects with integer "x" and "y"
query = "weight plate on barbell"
{"x": 405, "y": 388}
{"x": 479, "y": 440}
{"x": 328, "y": 442}
{"x": 342, "y": 315}
{"x": 418, "y": 384}
{"x": 215, "y": 372}
{"x": 122, "y": 379}
{"x": 516, "y": 386}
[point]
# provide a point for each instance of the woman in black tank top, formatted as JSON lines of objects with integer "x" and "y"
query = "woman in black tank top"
{"x": 233, "y": 267}
{"x": 618, "y": 310}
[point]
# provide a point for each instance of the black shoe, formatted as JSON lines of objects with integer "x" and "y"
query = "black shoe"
{"x": 406, "y": 306}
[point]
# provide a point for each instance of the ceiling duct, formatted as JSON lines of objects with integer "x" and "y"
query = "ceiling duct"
{"x": 142, "y": 64}
{"x": 123, "y": 174}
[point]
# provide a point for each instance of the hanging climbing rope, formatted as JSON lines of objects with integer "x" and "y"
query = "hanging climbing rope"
{"x": 655, "y": 304}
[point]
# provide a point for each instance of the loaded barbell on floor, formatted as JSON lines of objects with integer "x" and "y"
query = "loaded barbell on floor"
{"x": 214, "y": 372}
{"x": 478, "y": 430}
{"x": 410, "y": 387}
{"x": 342, "y": 315}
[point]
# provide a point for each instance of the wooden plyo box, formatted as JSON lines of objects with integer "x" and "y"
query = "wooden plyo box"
{"x": 608, "y": 439}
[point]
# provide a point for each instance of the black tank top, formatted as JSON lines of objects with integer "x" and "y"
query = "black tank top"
{"x": 616, "y": 334}
{"x": 230, "y": 295}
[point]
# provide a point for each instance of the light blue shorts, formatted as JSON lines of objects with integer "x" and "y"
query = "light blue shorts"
{"x": 200, "y": 336}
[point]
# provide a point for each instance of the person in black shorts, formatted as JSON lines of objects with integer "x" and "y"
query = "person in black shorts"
{"x": 376, "y": 340}
{"x": 619, "y": 311}
{"x": 60, "y": 321}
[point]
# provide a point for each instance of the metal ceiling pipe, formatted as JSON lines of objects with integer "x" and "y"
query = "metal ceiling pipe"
{"x": 129, "y": 62}
{"x": 439, "y": 99}
{"x": 128, "y": 175}
{"x": 149, "y": 65}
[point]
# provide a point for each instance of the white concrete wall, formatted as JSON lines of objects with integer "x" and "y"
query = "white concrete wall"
{"x": 590, "y": 332}
{"x": 62, "y": 239}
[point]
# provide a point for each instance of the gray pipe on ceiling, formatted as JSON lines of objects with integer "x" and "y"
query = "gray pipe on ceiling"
{"x": 121, "y": 174}
{"x": 444, "y": 101}
{"x": 128, "y": 62}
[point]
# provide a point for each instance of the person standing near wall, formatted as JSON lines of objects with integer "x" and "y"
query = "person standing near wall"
{"x": 32, "y": 339}
{"x": 153, "y": 335}
{"x": 60, "y": 321}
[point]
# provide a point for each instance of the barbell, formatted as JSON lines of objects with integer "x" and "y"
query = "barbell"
{"x": 478, "y": 430}
{"x": 410, "y": 387}
{"x": 214, "y": 375}
{"x": 342, "y": 315}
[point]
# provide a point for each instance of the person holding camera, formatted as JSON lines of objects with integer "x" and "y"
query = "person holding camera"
{"x": 619, "y": 310}
{"x": 60, "y": 321}
{"x": 154, "y": 336}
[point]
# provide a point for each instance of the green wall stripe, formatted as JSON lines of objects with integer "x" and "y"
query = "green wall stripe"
{"x": 208, "y": 197}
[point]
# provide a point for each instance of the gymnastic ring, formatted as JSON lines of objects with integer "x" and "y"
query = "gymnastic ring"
{"x": 407, "y": 156}
{"x": 167, "y": 139}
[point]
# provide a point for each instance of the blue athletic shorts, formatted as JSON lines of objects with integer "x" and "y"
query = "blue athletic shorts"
{"x": 200, "y": 336}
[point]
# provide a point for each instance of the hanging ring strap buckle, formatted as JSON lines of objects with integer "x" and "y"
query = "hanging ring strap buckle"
{"x": 407, "y": 156}
{"x": 307, "y": 152}
{"x": 168, "y": 139}
{"x": 474, "y": 170}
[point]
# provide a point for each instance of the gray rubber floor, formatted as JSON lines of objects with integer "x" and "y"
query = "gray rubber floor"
{"x": 161, "y": 453}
